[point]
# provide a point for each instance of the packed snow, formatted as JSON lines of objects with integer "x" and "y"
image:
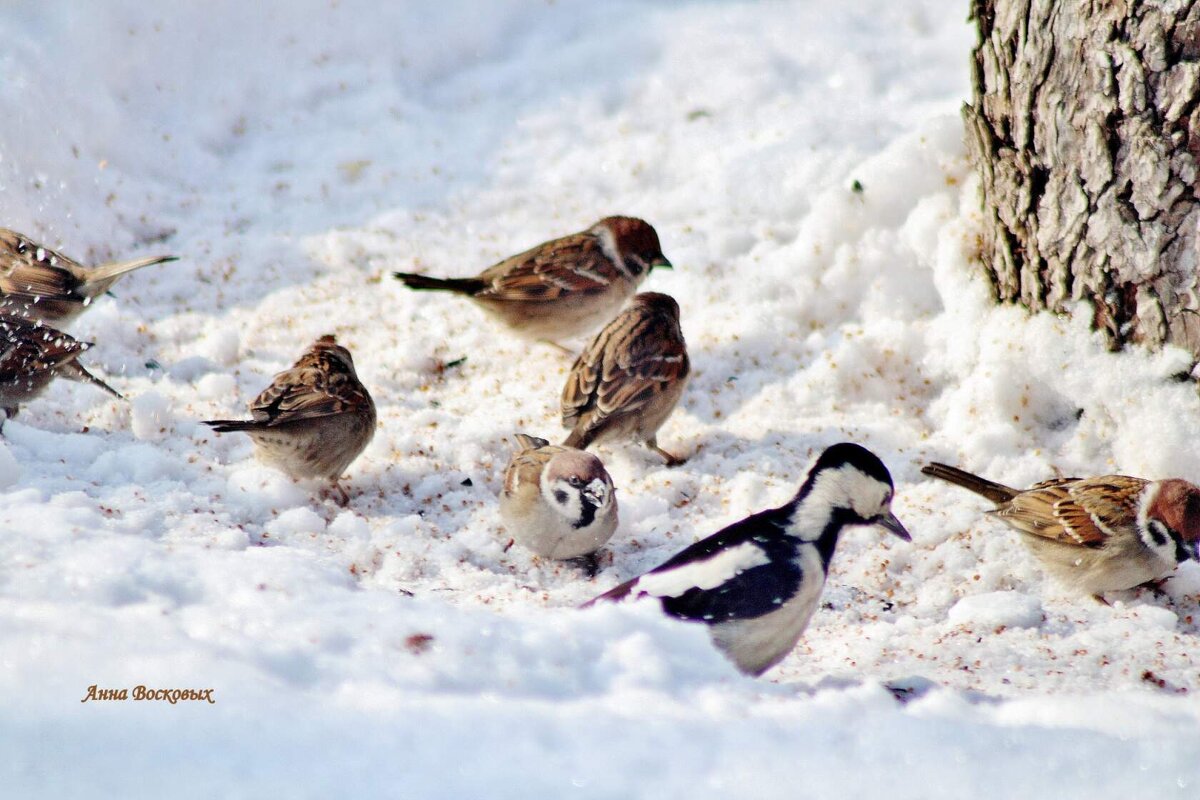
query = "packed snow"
{"x": 803, "y": 164}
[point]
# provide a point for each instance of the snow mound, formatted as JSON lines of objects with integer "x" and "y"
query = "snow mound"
{"x": 996, "y": 610}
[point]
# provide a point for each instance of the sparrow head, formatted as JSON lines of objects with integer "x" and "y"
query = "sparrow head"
{"x": 656, "y": 302}
{"x": 636, "y": 241}
{"x": 1176, "y": 505}
{"x": 328, "y": 347}
{"x": 576, "y": 485}
{"x": 850, "y": 477}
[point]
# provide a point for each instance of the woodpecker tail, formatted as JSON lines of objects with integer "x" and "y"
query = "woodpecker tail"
{"x": 615, "y": 594}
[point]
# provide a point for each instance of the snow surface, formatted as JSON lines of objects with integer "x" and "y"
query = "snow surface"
{"x": 294, "y": 154}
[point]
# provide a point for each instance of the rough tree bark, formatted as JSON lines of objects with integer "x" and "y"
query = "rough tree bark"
{"x": 1085, "y": 129}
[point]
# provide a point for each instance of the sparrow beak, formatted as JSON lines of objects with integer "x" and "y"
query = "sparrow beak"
{"x": 889, "y": 522}
{"x": 596, "y": 493}
{"x": 661, "y": 263}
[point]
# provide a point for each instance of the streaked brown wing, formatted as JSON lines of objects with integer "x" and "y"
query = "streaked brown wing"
{"x": 1075, "y": 511}
{"x": 28, "y": 347}
{"x": 625, "y": 367}
{"x": 27, "y": 267}
{"x": 524, "y": 470}
{"x": 575, "y": 264}
{"x": 1109, "y": 503}
{"x": 316, "y": 386}
{"x": 584, "y": 378}
{"x": 649, "y": 360}
{"x": 37, "y": 280}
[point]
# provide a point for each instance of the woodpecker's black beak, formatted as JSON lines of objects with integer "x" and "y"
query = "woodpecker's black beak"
{"x": 889, "y": 522}
{"x": 661, "y": 263}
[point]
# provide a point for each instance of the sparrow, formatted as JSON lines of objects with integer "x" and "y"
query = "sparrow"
{"x": 756, "y": 583}
{"x": 32, "y": 355}
{"x": 314, "y": 419}
{"x": 41, "y": 284}
{"x": 558, "y": 502}
{"x": 1096, "y": 535}
{"x": 627, "y": 381}
{"x": 563, "y": 288}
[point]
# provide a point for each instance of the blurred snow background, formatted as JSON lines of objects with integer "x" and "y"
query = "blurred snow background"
{"x": 803, "y": 164}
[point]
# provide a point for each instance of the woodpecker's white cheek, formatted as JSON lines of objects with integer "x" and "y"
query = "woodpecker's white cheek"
{"x": 844, "y": 487}
{"x": 868, "y": 497}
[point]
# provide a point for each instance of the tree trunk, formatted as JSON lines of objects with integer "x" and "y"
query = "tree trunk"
{"x": 1085, "y": 130}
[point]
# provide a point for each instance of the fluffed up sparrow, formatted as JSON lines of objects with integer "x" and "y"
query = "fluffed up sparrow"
{"x": 32, "y": 355}
{"x": 1096, "y": 535}
{"x": 558, "y": 502}
{"x": 314, "y": 419}
{"x": 40, "y": 284}
{"x": 563, "y": 288}
{"x": 626, "y": 383}
{"x": 756, "y": 583}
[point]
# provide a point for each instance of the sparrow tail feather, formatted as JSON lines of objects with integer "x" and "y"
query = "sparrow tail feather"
{"x": 470, "y": 286}
{"x": 996, "y": 492}
{"x": 111, "y": 270}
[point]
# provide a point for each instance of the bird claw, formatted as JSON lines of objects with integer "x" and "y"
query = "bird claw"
{"x": 671, "y": 459}
{"x": 342, "y": 497}
{"x": 590, "y": 564}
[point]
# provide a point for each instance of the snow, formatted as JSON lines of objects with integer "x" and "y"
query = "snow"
{"x": 804, "y": 167}
{"x": 997, "y": 610}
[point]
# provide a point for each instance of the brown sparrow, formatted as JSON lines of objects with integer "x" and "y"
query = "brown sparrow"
{"x": 563, "y": 288}
{"x": 40, "y": 284}
{"x": 1100, "y": 534}
{"x": 314, "y": 419}
{"x": 627, "y": 381}
{"x": 558, "y": 502}
{"x": 32, "y": 355}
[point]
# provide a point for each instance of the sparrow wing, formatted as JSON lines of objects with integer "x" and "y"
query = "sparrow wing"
{"x": 1109, "y": 503}
{"x": 29, "y": 347}
{"x": 28, "y": 268}
{"x": 637, "y": 357}
{"x": 317, "y": 386}
{"x": 524, "y": 471}
{"x": 1080, "y": 511}
{"x": 574, "y": 264}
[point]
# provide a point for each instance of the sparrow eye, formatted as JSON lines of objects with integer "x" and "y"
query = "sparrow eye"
{"x": 575, "y": 481}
